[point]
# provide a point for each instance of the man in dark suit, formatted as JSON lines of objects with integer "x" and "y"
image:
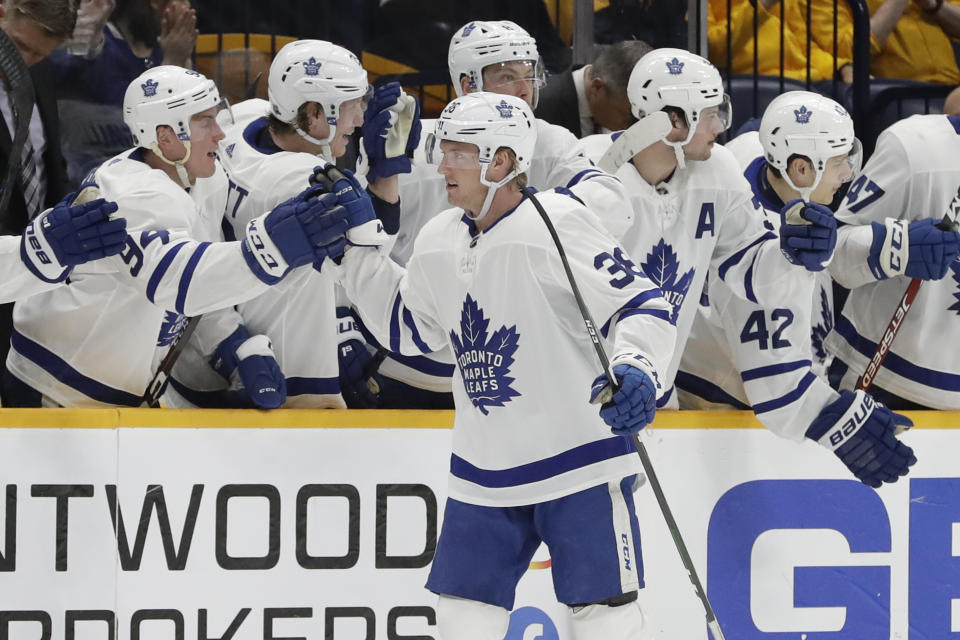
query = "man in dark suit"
{"x": 36, "y": 27}
{"x": 593, "y": 99}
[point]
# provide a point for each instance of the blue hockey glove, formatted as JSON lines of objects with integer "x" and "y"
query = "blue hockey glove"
{"x": 390, "y": 131}
{"x": 632, "y": 406}
{"x": 862, "y": 433}
{"x": 365, "y": 230}
{"x": 808, "y": 234}
{"x": 249, "y": 362}
{"x": 358, "y": 388}
{"x": 926, "y": 253}
{"x": 70, "y": 234}
{"x": 297, "y": 232}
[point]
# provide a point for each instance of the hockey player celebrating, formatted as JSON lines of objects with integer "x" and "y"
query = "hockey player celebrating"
{"x": 317, "y": 93}
{"x": 498, "y": 57}
{"x": 55, "y": 242}
{"x": 740, "y": 354}
{"x": 693, "y": 209}
{"x": 67, "y": 348}
{"x": 530, "y": 455}
{"x": 892, "y": 214}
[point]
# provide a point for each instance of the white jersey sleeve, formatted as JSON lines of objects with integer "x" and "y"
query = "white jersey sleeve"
{"x": 17, "y": 280}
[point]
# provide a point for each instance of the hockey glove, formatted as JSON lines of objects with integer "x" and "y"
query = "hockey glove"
{"x": 862, "y": 433}
{"x": 70, "y": 234}
{"x": 250, "y": 363}
{"x": 633, "y": 404}
{"x": 926, "y": 254}
{"x": 364, "y": 228}
{"x": 360, "y": 390}
{"x": 808, "y": 234}
{"x": 390, "y": 132}
{"x": 297, "y": 232}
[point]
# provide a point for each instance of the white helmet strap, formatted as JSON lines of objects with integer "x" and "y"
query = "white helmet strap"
{"x": 492, "y": 188}
{"x": 803, "y": 191}
{"x": 177, "y": 164}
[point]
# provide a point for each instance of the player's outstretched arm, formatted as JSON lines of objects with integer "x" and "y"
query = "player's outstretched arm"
{"x": 70, "y": 234}
{"x": 364, "y": 227}
{"x": 390, "y": 132}
{"x": 863, "y": 434}
{"x": 808, "y": 234}
{"x": 248, "y": 362}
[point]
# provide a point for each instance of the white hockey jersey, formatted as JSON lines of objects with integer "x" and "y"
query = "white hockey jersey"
{"x": 703, "y": 218}
{"x": 17, "y": 280}
{"x": 556, "y": 163}
{"x": 524, "y": 431}
{"x": 98, "y": 341}
{"x": 744, "y": 356}
{"x": 912, "y": 174}
{"x": 299, "y": 313}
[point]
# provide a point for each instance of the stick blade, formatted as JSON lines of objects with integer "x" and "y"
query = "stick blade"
{"x": 639, "y": 136}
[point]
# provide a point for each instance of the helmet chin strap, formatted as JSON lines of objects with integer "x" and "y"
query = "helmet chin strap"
{"x": 492, "y": 188}
{"x": 177, "y": 164}
{"x": 323, "y": 144}
{"x": 803, "y": 191}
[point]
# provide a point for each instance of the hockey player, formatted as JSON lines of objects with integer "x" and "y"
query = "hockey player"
{"x": 892, "y": 211}
{"x": 499, "y": 57}
{"x": 530, "y": 456}
{"x": 54, "y": 243}
{"x": 740, "y": 354}
{"x": 317, "y": 93}
{"x": 98, "y": 341}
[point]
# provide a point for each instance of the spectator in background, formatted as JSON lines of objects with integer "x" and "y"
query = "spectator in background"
{"x": 140, "y": 34}
{"x": 951, "y": 105}
{"x": 36, "y": 27}
{"x": 909, "y": 39}
{"x": 593, "y": 99}
{"x": 769, "y": 14}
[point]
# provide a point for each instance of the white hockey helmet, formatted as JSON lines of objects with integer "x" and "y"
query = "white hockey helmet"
{"x": 314, "y": 71}
{"x": 489, "y": 121}
{"x": 802, "y": 123}
{"x": 167, "y": 95}
{"x": 479, "y": 44}
{"x": 677, "y": 78}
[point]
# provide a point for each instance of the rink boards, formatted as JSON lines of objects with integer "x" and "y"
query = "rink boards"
{"x": 321, "y": 525}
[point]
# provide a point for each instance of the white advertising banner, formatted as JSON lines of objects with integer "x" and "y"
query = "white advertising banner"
{"x": 327, "y": 533}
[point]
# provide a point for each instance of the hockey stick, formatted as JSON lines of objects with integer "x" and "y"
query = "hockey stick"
{"x": 20, "y": 94}
{"x": 949, "y": 223}
{"x": 151, "y": 397}
{"x": 635, "y": 139}
{"x": 712, "y": 624}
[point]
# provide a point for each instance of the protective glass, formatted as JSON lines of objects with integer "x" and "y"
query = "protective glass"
{"x": 722, "y": 112}
{"x": 224, "y": 113}
{"x": 855, "y": 159}
{"x": 453, "y": 158}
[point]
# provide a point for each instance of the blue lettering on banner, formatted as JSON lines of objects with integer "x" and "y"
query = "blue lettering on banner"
{"x": 531, "y": 623}
{"x": 934, "y": 569}
{"x": 846, "y": 506}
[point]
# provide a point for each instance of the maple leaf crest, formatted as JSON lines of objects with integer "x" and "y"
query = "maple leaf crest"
{"x": 955, "y": 267}
{"x": 662, "y": 267}
{"x": 484, "y": 363}
{"x": 819, "y": 331}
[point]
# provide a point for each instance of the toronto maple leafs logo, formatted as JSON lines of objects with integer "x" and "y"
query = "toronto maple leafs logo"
{"x": 819, "y": 331}
{"x": 484, "y": 363}
{"x": 506, "y": 110}
{"x": 150, "y": 88}
{"x": 467, "y": 30}
{"x": 955, "y": 267}
{"x": 312, "y": 67}
{"x": 675, "y": 67}
{"x": 173, "y": 324}
{"x": 663, "y": 268}
{"x": 803, "y": 114}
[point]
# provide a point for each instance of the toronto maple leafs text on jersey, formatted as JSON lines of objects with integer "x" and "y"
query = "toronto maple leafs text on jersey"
{"x": 524, "y": 431}
{"x": 911, "y": 175}
{"x": 98, "y": 341}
